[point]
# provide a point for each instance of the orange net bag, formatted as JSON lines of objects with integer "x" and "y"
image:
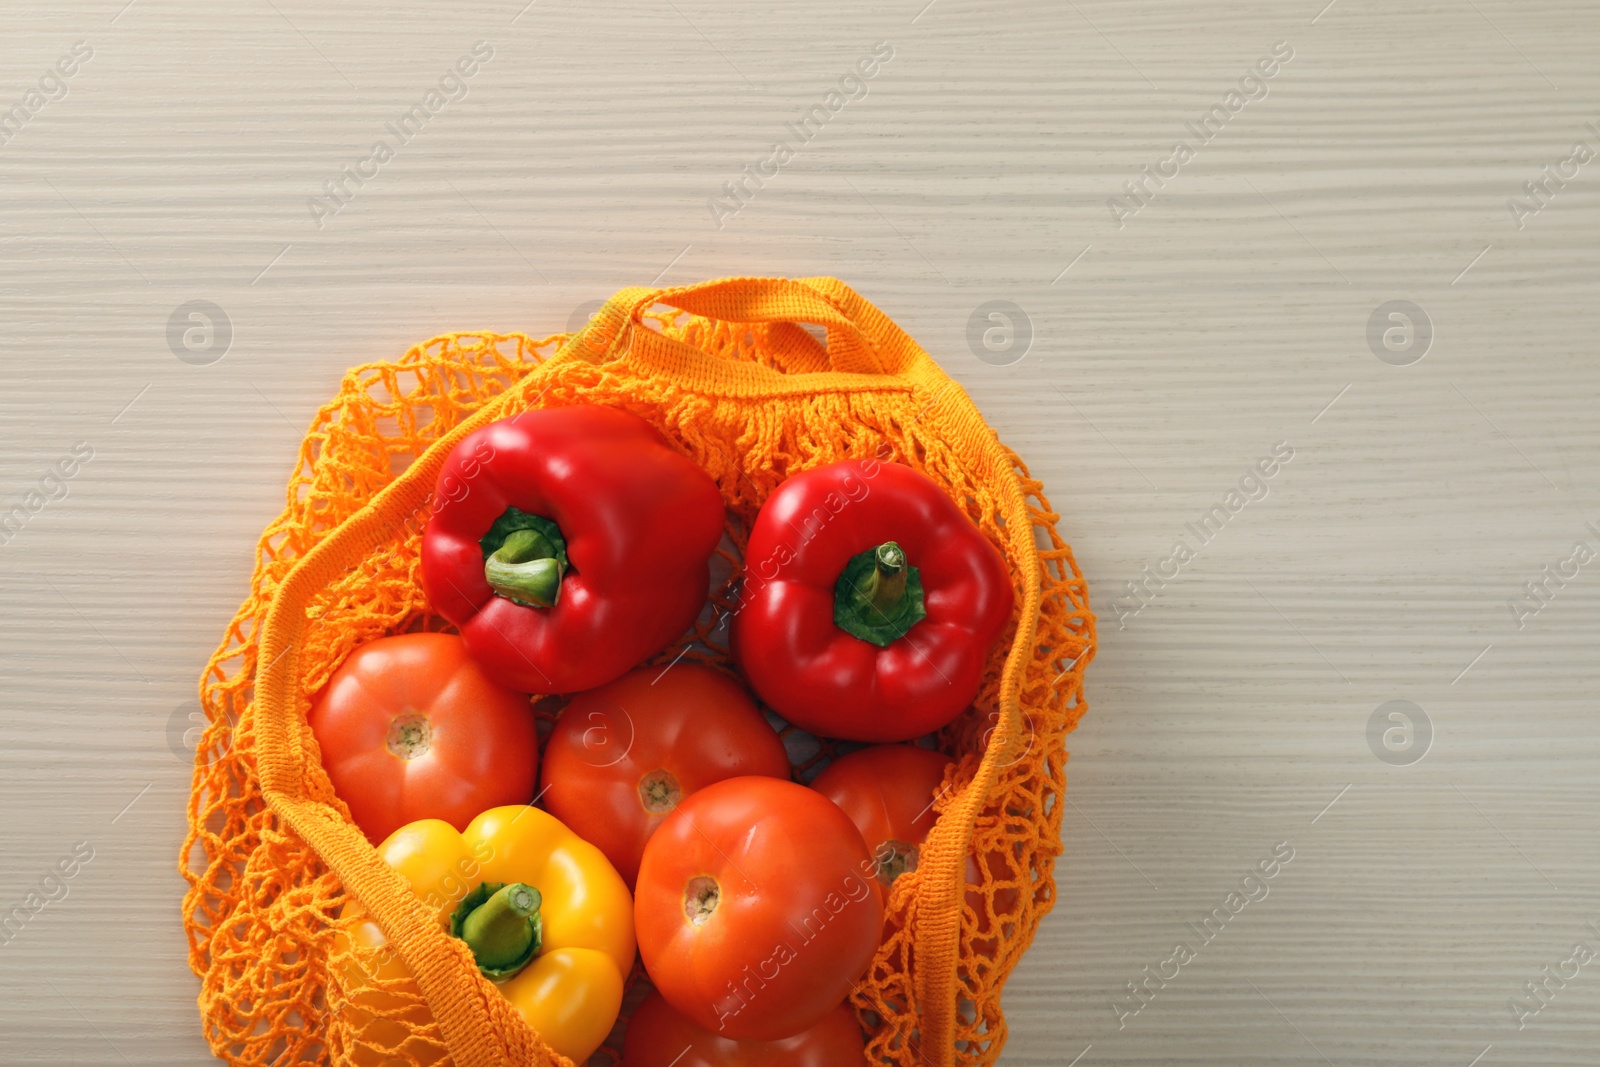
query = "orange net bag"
{"x": 732, "y": 379}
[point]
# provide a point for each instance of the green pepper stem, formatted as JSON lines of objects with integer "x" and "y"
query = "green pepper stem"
{"x": 503, "y": 931}
{"x": 878, "y": 596}
{"x": 886, "y": 585}
{"x": 525, "y": 568}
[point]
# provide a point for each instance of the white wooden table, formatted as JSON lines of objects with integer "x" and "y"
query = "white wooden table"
{"x": 1152, "y": 351}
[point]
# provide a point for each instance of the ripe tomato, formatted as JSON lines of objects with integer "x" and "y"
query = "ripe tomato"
{"x": 888, "y": 792}
{"x": 660, "y": 1037}
{"x": 410, "y": 728}
{"x": 623, "y": 756}
{"x": 756, "y": 908}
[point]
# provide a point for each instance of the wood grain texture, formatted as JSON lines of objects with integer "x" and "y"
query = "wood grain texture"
{"x": 1227, "y": 315}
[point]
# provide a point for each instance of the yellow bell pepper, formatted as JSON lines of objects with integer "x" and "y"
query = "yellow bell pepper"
{"x": 546, "y": 915}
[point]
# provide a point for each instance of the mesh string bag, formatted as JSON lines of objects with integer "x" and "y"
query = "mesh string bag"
{"x": 729, "y": 372}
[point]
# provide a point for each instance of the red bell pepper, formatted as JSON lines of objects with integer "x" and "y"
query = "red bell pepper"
{"x": 569, "y": 544}
{"x": 870, "y": 603}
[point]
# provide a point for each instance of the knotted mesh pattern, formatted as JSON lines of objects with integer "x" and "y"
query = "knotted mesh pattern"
{"x": 266, "y": 910}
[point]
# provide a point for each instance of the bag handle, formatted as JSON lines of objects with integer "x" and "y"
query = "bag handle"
{"x": 857, "y": 342}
